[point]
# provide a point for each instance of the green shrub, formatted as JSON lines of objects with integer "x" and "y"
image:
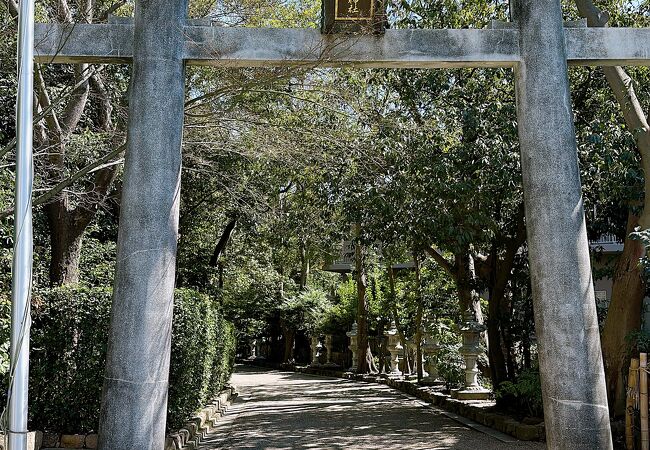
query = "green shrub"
{"x": 69, "y": 335}
{"x": 524, "y": 395}
{"x": 202, "y": 354}
{"x": 450, "y": 363}
{"x": 68, "y": 352}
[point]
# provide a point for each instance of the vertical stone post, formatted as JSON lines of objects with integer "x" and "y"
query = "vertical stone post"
{"x": 314, "y": 351}
{"x": 352, "y": 334}
{"x": 253, "y": 349}
{"x": 328, "y": 348}
{"x": 430, "y": 350}
{"x": 571, "y": 367}
{"x": 395, "y": 348}
{"x": 134, "y": 398}
{"x": 258, "y": 348}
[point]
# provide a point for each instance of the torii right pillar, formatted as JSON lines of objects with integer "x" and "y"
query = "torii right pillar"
{"x": 570, "y": 360}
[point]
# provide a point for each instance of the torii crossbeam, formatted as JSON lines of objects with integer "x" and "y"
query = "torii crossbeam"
{"x": 160, "y": 42}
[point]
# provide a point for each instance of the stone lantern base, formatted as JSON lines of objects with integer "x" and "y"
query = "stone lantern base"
{"x": 477, "y": 393}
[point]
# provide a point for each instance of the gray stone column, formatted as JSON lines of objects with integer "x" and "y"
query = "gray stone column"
{"x": 573, "y": 382}
{"x": 134, "y": 398}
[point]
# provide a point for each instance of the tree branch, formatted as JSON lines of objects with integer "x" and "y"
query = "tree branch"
{"x": 223, "y": 242}
{"x": 78, "y": 98}
{"x": 440, "y": 260}
{"x": 114, "y": 7}
{"x": 49, "y": 195}
{"x": 12, "y": 6}
{"x": 63, "y": 12}
{"x": 42, "y": 113}
{"x": 623, "y": 89}
{"x": 46, "y": 105}
{"x": 104, "y": 107}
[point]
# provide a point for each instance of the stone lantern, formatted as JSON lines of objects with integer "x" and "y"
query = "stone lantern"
{"x": 395, "y": 348}
{"x": 430, "y": 349}
{"x": 352, "y": 334}
{"x": 328, "y": 347}
{"x": 253, "y": 349}
{"x": 315, "y": 344}
{"x": 258, "y": 348}
{"x": 471, "y": 331}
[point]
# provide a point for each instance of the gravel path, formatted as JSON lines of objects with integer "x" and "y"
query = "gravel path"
{"x": 285, "y": 410}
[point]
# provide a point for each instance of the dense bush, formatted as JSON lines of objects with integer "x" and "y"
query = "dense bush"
{"x": 450, "y": 363}
{"x": 524, "y": 395}
{"x": 69, "y": 334}
{"x": 202, "y": 358}
{"x": 69, "y": 337}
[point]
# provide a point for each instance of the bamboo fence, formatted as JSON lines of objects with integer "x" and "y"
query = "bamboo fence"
{"x": 636, "y": 407}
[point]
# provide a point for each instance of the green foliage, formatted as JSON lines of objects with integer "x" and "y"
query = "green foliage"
{"x": 643, "y": 236}
{"x": 202, "y": 358}
{"x": 307, "y": 311}
{"x": 638, "y": 341}
{"x": 69, "y": 335}
{"x": 97, "y": 266}
{"x": 450, "y": 363}
{"x": 5, "y": 333}
{"x": 342, "y": 313}
{"x": 68, "y": 354}
{"x": 525, "y": 394}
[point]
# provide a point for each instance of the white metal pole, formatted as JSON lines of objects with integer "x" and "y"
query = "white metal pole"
{"x": 23, "y": 233}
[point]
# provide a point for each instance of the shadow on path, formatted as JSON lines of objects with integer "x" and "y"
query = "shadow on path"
{"x": 285, "y": 410}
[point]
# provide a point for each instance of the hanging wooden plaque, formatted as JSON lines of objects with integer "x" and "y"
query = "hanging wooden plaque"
{"x": 353, "y": 16}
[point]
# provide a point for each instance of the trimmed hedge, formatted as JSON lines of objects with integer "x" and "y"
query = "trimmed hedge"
{"x": 69, "y": 335}
{"x": 202, "y": 358}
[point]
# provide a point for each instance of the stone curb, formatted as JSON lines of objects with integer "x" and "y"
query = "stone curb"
{"x": 475, "y": 410}
{"x": 197, "y": 428}
{"x": 187, "y": 438}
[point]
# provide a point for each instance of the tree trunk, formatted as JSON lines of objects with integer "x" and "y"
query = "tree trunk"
{"x": 304, "y": 266}
{"x": 370, "y": 363}
{"x": 289, "y": 338}
{"x": 465, "y": 282}
{"x": 498, "y": 368}
{"x": 66, "y": 233}
{"x": 393, "y": 296}
{"x": 623, "y": 316}
{"x": 498, "y": 308}
{"x": 362, "y": 305}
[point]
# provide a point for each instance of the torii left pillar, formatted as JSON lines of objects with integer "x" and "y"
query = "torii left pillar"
{"x": 134, "y": 398}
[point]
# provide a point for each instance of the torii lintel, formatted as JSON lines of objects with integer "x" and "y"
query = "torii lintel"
{"x": 266, "y": 47}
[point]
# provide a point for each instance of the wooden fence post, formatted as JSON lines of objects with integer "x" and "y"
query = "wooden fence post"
{"x": 643, "y": 403}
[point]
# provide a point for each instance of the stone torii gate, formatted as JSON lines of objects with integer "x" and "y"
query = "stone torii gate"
{"x": 161, "y": 41}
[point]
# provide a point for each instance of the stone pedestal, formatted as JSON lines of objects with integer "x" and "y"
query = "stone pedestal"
{"x": 471, "y": 331}
{"x": 328, "y": 347}
{"x": 430, "y": 349}
{"x": 395, "y": 348}
{"x": 315, "y": 347}
{"x": 352, "y": 334}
